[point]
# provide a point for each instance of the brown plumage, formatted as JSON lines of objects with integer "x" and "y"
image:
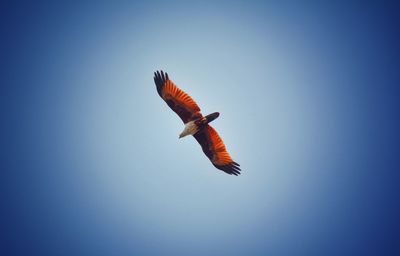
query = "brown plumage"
{"x": 195, "y": 123}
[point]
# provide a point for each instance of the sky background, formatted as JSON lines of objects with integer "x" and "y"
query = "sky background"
{"x": 308, "y": 95}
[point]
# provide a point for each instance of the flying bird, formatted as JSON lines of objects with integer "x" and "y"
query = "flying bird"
{"x": 196, "y": 124}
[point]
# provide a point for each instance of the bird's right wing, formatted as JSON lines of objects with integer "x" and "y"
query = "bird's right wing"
{"x": 179, "y": 101}
{"x": 215, "y": 150}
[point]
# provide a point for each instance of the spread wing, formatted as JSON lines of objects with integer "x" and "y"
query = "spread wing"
{"x": 215, "y": 150}
{"x": 179, "y": 101}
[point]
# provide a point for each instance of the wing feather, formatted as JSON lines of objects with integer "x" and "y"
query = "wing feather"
{"x": 178, "y": 100}
{"x": 214, "y": 148}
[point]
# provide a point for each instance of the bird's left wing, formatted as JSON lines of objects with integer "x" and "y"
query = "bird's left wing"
{"x": 215, "y": 150}
{"x": 178, "y": 100}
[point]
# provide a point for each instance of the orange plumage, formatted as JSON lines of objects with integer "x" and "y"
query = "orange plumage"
{"x": 196, "y": 124}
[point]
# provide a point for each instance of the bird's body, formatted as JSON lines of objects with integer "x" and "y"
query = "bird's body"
{"x": 192, "y": 127}
{"x": 195, "y": 123}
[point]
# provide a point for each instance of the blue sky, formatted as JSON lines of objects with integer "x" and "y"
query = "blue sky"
{"x": 308, "y": 99}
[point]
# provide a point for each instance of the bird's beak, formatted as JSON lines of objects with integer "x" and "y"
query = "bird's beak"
{"x": 180, "y": 136}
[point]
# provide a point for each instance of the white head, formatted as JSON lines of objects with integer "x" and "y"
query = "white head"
{"x": 183, "y": 134}
{"x": 190, "y": 129}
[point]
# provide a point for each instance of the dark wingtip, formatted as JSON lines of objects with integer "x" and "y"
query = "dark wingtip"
{"x": 161, "y": 75}
{"x": 159, "y": 80}
{"x": 230, "y": 169}
{"x": 234, "y": 163}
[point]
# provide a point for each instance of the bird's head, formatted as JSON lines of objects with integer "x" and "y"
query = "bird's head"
{"x": 183, "y": 134}
{"x": 190, "y": 129}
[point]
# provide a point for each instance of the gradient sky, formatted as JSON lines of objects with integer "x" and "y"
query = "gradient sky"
{"x": 308, "y": 95}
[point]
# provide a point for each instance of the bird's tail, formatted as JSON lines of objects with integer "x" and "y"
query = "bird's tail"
{"x": 212, "y": 117}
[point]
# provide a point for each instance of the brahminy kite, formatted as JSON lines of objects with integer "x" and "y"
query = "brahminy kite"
{"x": 196, "y": 124}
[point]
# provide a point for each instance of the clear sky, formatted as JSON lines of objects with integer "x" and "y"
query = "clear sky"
{"x": 308, "y": 100}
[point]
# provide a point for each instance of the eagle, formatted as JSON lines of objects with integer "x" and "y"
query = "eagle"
{"x": 195, "y": 123}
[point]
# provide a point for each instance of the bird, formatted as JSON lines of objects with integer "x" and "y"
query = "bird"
{"x": 195, "y": 123}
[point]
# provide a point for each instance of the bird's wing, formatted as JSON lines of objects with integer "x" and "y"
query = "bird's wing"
{"x": 215, "y": 150}
{"x": 179, "y": 101}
